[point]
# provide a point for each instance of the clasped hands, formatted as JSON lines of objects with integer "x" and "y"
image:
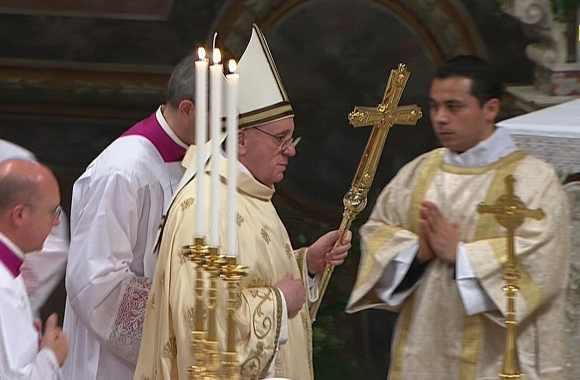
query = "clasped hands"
{"x": 437, "y": 236}
{"x": 327, "y": 250}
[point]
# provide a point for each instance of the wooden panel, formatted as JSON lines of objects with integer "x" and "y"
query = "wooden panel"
{"x": 132, "y": 9}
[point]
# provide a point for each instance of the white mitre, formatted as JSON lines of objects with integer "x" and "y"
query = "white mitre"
{"x": 262, "y": 97}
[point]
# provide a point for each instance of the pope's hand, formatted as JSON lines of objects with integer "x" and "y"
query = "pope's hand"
{"x": 328, "y": 251}
{"x": 294, "y": 294}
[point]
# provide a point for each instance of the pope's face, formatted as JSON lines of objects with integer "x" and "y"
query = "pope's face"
{"x": 265, "y": 150}
{"x": 459, "y": 120}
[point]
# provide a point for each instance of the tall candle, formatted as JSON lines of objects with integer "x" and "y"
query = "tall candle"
{"x": 215, "y": 113}
{"x": 200, "y": 140}
{"x": 232, "y": 80}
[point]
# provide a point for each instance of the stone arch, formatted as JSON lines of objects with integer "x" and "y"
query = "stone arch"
{"x": 444, "y": 25}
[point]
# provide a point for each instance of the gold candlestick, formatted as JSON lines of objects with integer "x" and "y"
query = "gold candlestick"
{"x": 382, "y": 118}
{"x": 213, "y": 266}
{"x": 510, "y": 212}
{"x": 231, "y": 274}
{"x": 196, "y": 253}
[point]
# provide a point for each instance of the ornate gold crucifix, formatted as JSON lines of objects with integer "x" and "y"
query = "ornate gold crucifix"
{"x": 382, "y": 118}
{"x": 510, "y": 212}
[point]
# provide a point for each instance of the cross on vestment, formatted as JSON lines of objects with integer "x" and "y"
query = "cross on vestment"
{"x": 510, "y": 212}
{"x": 382, "y": 118}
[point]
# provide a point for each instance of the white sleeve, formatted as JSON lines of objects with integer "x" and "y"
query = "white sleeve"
{"x": 19, "y": 356}
{"x": 312, "y": 283}
{"x": 42, "y": 271}
{"x": 105, "y": 293}
{"x": 475, "y": 299}
{"x": 393, "y": 276}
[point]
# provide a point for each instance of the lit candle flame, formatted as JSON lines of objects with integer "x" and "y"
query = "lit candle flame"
{"x": 232, "y": 66}
{"x": 216, "y": 57}
{"x": 201, "y": 53}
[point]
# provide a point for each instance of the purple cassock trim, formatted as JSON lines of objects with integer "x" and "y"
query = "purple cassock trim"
{"x": 152, "y": 131}
{"x": 10, "y": 260}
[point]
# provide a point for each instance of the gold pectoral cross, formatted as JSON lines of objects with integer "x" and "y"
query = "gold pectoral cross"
{"x": 382, "y": 118}
{"x": 510, "y": 212}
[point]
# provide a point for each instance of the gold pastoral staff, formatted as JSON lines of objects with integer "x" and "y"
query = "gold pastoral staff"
{"x": 382, "y": 118}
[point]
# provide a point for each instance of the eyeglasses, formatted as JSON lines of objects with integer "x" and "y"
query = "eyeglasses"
{"x": 284, "y": 142}
{"x": 57, "y": 212}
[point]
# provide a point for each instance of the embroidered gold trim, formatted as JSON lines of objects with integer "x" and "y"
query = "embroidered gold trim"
{"x": 278, "y": 325}
{"x": 428, "y": 171}
{"x": 186, "y": 204}
{"x": 265, "y": 235}
{"x": 472, "y": 334}
{"x": 404, "y": 323}
{"x": 262, "y": 322}
{"x": 507, "y": 160}
{"x": 307, "y": 324}
{"x": 170, "y": 348}
{"x": 265, "y": 115}
{"x": 188, "y": 315}
{"x": 372, "y": 245}
{"x": 250, "y": 369}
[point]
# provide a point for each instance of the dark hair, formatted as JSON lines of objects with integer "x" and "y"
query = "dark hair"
{"x": 181, "y": 84}
{"x": 485, "y": 81}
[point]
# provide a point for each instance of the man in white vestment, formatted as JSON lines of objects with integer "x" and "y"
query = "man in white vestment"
{"x": 117, "y": 207}
{"x": 42, "y": 271}
{"x": 428, "y": 254}
{"x": 29, "y": 209}
{"x": 273, "y": 325}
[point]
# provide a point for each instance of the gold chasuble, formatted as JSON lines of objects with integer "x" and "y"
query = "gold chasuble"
{"x": 435, "y": 338}
{"x": 264, "y": 247}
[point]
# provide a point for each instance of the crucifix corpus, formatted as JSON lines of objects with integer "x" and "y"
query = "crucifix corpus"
{"x": 510, "y": 212}
{"x": 382, "y": 118}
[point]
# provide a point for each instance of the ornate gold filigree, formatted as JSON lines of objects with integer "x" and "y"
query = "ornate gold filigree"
{"x": 382, "y": 117}
{"x": 187, "y": 203}
{"x": 262, "y": 323}
{"x": 189, "y": 316}
{"x": 289, "y": 251}
{"x": 265, "y": 235}
{"x": 510, "y": 212}
{"x": 252, "y": 367}
{"x": 170, "y": 348}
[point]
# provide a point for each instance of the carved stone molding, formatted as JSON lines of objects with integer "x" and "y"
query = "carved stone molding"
{"x": 552, "y": 48}
{"x": 445, "y": 26}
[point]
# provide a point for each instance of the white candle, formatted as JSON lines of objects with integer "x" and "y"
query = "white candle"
{"x": 232, "y": 152}
{"x": 200, "y": 140}
{"x": 215, "y": 113}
